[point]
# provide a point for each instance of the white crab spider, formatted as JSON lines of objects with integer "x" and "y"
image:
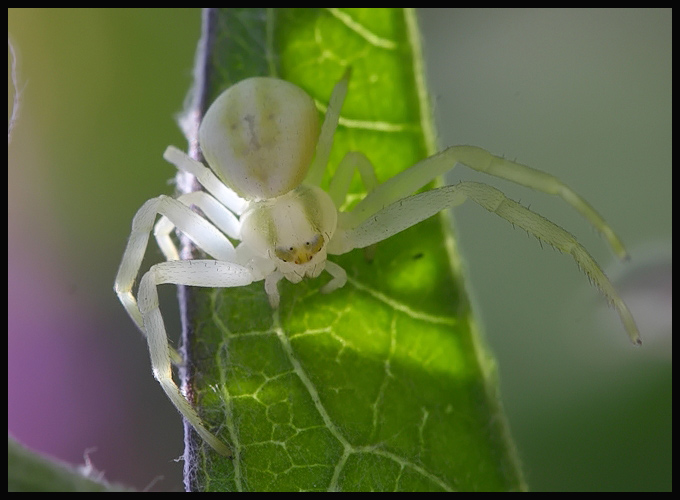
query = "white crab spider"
{"x": 262, "y": 141}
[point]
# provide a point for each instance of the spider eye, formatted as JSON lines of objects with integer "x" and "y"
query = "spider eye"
{"x": 303, "y": 253}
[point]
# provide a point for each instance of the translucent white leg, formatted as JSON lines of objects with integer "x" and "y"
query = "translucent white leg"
{"x": 414, "y": 209}
{"x": 207, "y": 179}
{"x": 330, "y": 124}
{"x": 207, "y": 273}
{"x": 271, "y": 286}
{"x": 342, "y": 177}
{"x": 478, "y": 159}
{"x": 218, "y": 214}
{"x": 199, "y": 230}
{"x": 339, "y": 277}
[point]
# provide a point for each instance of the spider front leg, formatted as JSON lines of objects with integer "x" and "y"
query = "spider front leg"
{"x": 483, "y": 161}
{"x": 175, "y": 214}
{"x": 200, "y": 231}
{"x": 205, "y": 273}
{"x": 478, "y": 159}
{"x": 409, "y": 211}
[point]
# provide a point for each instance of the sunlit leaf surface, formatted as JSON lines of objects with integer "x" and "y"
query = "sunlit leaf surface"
{"x": 381, "y": 385}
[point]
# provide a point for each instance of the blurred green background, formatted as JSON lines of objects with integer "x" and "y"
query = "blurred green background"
{"x": 583, "y": 94}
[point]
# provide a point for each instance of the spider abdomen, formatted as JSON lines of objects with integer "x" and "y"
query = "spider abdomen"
{"x": 259, "y": 137}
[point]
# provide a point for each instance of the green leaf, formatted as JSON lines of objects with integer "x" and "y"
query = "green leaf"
{"x": 30, "y": 471}
{"x": 381, "y": 385}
